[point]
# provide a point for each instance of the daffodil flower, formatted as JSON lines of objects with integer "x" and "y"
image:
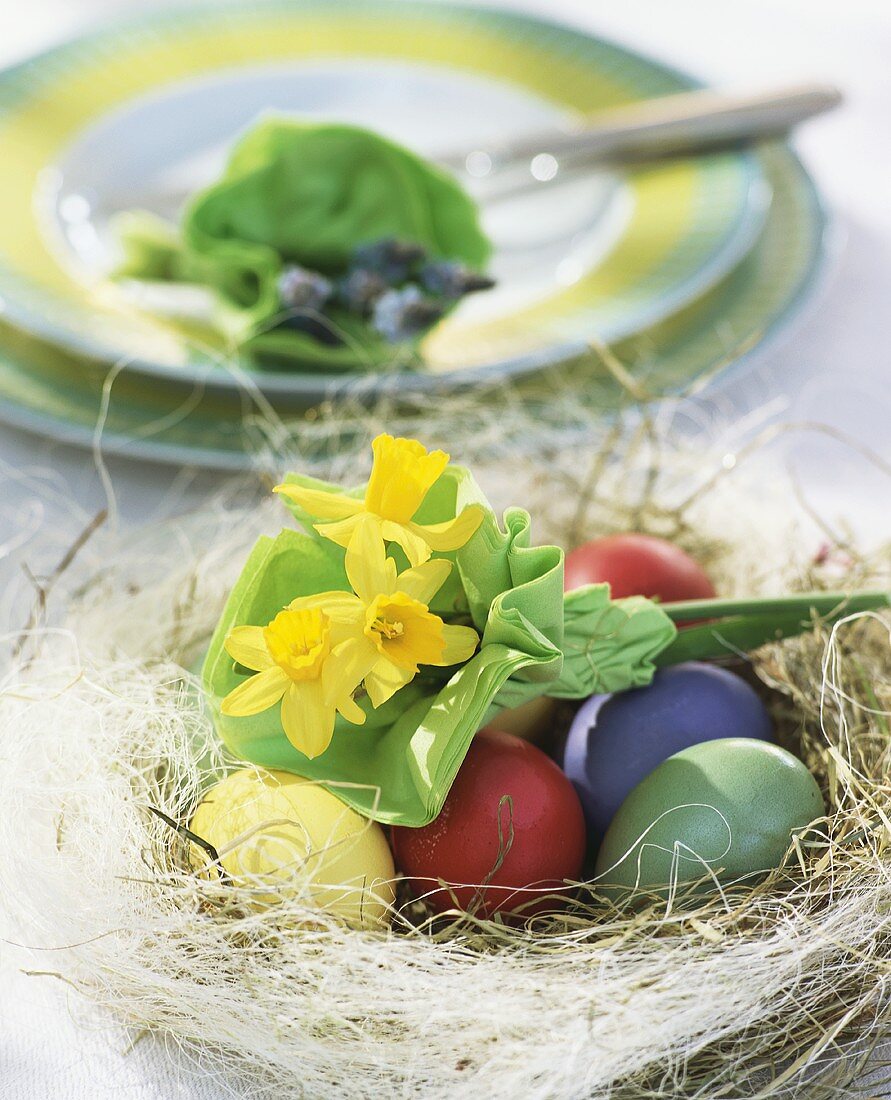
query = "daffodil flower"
{"x": 391, "y": 628}
{"x": 402, "y": 474}
{"x": 299, "y": 661}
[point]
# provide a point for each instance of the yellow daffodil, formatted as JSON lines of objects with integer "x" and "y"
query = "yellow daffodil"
{"x": 299, "y": 660}
{"x": 402, "y": 474}
{"x": 392, "y": 630}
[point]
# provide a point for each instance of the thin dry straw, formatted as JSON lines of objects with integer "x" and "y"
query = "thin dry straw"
{"x": 774, "y": 989}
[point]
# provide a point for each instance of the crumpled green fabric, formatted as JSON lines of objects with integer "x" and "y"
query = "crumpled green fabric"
{"x": 308, "y": 194}
{"x": 608, "y": 645}
{"x": 399, "y": 766}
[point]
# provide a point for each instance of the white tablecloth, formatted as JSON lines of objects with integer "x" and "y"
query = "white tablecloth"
{"x": 834, "y": 368}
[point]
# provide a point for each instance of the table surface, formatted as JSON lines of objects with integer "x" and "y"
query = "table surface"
{"x": 833, "y": 368}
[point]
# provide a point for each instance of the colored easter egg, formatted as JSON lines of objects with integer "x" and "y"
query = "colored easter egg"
{"x": 638, "y": 565}
{"x": 510, "y": 832}
{"x": 727, "y": 808}
{"x": 533, "y": 721}
{"x": 279, "y": 829}
{"x": 615, "y": 741}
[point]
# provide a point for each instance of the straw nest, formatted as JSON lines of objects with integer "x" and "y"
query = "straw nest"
{"x": 776, "y": 990}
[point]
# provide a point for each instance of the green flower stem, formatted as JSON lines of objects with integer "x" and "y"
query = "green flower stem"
{"x": 738, "y": 626}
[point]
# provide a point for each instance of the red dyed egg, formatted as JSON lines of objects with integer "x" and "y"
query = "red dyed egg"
{"x": 541, "y": 836}
{"x": 638, "y": 565}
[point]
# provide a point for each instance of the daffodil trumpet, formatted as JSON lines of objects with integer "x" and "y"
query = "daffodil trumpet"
{"x": 390, "y": 629}
{"x": 402, "y": 474}
{"x": 406, "y": 615}
{"x": 298, "y": 660}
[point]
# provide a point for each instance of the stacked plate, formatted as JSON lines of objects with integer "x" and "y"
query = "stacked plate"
{"x": 680, "y": 268}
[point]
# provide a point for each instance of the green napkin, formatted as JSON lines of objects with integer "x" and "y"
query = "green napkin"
{"x": 399, "y": 766}
{"x": 307, "y": 194}
{"x": 534, "y": 639}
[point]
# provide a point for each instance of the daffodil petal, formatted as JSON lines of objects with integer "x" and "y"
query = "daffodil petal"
{"x": 343, "y": 531}
{"x": 424, "y": 581}
{"x": 256, "y": 694}
{"x": 247, "y": 645}
{"x": 351, "y": 710}
{"x": 454, "y": 533}
{"x": 460, "y": 644}
{"x": 402, "y": 473}
{"x": 319, "y": 503}
{"x": 410, "y": 538}
{"x": 366, "y": 562}
{"x": 343, "y": 631}
{"x": 384, "y": 680}
{"x": 341, "y": 607}
{"x": 347, "y": 666}
{"x": 306, "y": 719}
{"x": 345, "y": 613}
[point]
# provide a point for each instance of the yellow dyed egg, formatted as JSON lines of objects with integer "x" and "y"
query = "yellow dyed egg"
{"x": 277, "y": 829}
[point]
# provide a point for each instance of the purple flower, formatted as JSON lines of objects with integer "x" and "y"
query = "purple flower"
{"x": 405, "y": 313}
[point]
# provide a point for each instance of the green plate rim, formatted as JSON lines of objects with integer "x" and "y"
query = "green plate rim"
{"x": 126, "y": 446}
{"x": 312, "y": 386}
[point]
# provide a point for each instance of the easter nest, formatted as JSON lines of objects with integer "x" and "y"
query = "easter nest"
{"x": 775, "y": 988}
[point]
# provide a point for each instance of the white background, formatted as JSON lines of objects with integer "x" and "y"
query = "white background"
{"x": 834, "y": 368}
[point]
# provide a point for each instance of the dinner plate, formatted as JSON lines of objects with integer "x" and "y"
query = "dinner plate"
{"x": 69, "y": 398}
{"x": 140, "y": 114}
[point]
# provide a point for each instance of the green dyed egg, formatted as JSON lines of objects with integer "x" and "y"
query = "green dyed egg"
{"x": 726, "y": 807}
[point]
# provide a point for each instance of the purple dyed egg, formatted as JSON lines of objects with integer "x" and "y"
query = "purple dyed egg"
{"x": 615, "y": 741}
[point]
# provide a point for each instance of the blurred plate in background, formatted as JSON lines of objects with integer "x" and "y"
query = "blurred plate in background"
{"x": 142, "y": 114}
{"x": 73, "y": 399}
